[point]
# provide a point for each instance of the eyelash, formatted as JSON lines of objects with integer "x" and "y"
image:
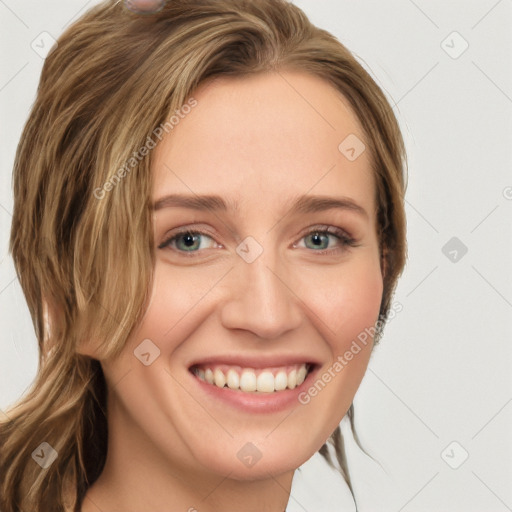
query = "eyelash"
{"x": 342, "y": 236}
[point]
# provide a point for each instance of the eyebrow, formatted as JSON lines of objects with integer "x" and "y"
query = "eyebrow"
{"x": 303, "y": 204}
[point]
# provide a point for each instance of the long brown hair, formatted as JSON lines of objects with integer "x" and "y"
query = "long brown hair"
{"x": 112, "y": 79}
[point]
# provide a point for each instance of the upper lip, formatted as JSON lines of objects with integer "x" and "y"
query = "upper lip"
{"x": 256, "y": 361}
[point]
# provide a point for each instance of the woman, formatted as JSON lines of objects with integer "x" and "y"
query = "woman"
{"x": 208, "y": 228}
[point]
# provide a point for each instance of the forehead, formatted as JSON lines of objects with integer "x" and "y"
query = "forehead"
{"x": 263, "y": 138}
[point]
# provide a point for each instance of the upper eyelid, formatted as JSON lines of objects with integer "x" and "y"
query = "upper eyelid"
{"x": 321, "y": 228}
{"x": 182, "y": 230}
{"x": 316, "y": 227}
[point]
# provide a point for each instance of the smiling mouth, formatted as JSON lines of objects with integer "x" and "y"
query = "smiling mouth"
{"x": 250, "y": 380}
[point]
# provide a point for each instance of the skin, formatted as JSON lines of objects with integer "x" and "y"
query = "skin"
{"x": 260, "y": 141}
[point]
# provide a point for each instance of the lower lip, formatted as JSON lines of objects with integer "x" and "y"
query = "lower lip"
{"x": 257, "y": 402}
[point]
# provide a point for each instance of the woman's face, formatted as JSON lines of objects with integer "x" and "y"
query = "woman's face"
{"x": 249, "y": 287}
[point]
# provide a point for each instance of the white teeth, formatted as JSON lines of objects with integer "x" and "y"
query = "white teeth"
{"x": 248, "y": 381}
{"x": 208, "y": 376}
{"x": 301, "y": 375}
{"x": 292, "y": 379}
{"x": 280, "y": 380}
{"x": 220, "y": 379}
{"x": 267, "y": 381}
{"x": 233, "y": 379}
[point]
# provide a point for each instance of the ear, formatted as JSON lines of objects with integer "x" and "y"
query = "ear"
{"x": 86, "y": 343}
{"x": 87, "y": 347}
{"x": 50, "y": 322}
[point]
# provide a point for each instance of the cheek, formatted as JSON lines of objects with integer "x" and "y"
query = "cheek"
{"x": 346, "y": 300}
{"x": 358, "y": 304}
{"x": 346, "y": 304}
{"x": 175, "y": 295}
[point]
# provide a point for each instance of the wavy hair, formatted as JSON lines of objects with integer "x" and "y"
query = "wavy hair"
{"x": 112, "y": 79}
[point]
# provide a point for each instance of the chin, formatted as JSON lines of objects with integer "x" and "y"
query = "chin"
{"x": 245, "y": 460}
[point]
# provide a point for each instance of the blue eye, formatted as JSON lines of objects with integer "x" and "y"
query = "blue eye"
{"x": 320, "y": 239}
{"x": 186, "y": 241}
{"x": 190, "y": 242}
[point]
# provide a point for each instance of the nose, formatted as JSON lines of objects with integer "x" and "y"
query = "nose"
{"x": 261, "y": 299}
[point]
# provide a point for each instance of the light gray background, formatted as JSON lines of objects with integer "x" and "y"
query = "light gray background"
{"x": 442, "y": 372}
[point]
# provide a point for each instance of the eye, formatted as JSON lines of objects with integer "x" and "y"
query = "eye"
{"x": 319, "y": 238}
{"x": 189, "y": 241}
